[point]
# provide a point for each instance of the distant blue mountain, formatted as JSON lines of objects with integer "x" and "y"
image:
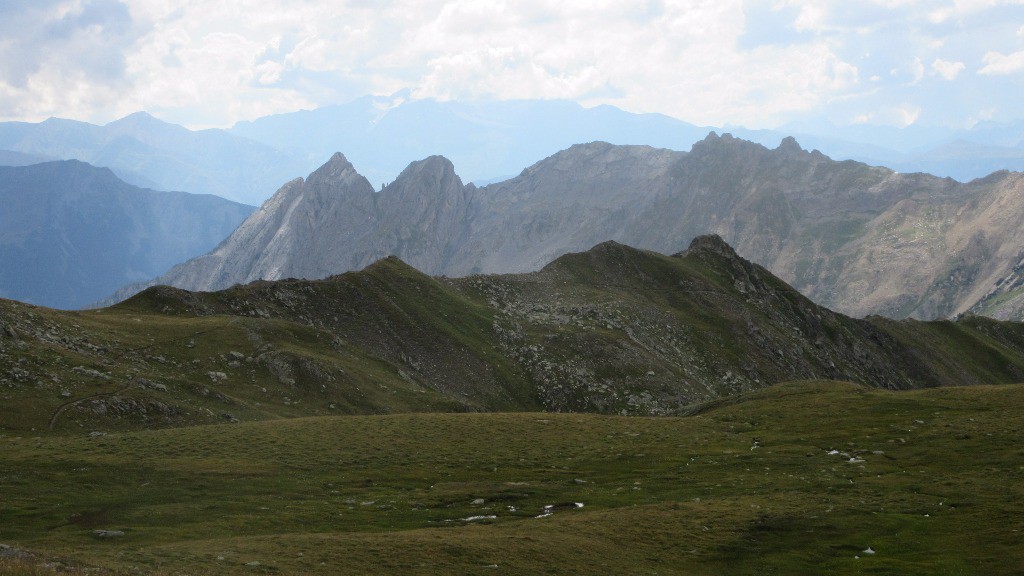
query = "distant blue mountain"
{"x": 148, "y": 152}
{"x": 484, "y": 139}
{"x": 487, "y": 140}
{"x": 71, "y": 233}
{"x": 12, "y": 158}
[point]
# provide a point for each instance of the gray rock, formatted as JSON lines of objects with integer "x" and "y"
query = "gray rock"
{"x": 108, "y": 534}
{"x": 8, "y": 551}
{"x": 152, "y": 385}
{"x": 798, "y": 213}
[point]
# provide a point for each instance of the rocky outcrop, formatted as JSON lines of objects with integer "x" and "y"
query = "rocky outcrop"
{"x": 860, "y": 239}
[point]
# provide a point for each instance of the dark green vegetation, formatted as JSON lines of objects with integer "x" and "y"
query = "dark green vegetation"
{"x": 798, "y": 478}
{"x": 614, "y": 330}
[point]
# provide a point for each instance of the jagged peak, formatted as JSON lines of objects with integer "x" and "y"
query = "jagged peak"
{"x": 715, "y": 142}
{"x": 710, "y": 244}
{"x": 789, "y": 144}
{"x": 338, "y": 167}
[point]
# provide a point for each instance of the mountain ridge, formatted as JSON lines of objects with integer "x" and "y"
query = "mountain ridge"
{"x": 613, "y": 330}
{"x": 864, "y": 240}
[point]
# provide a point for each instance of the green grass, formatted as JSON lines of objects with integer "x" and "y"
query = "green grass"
{"x": 746, "y": 486}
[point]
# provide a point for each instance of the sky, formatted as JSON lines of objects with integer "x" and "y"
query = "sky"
{"x": 759, "y": 64}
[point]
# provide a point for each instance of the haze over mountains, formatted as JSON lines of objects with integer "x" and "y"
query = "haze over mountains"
{"x": 488, "y": 140}
{"x": 71, "y": 233}
{"x": 858, "y": 239}
{"x": 150, "y": 153}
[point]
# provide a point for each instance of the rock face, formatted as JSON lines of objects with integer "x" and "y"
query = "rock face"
{"x": 859, "y": 239}
{"x": 71, "y": 233}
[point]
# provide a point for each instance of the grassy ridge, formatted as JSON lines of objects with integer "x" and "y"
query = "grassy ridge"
{"x": 614, "y": 330}
{"x": 929, "y": 480}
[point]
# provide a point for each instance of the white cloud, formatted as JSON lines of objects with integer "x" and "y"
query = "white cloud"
{"x": 812, "y": 16}
{"x": 918, "y": 69}
{"x": 212, "y": 63}
{"x": 961, "y": 9}
{"x": 946, "y": 69}
{"x": 1002, "y": 64}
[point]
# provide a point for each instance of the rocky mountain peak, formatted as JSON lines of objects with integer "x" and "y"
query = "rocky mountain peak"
{"x": 789, "y": 144}
{"x": 715, "y": 144}
{"x": 335, "y": 171}
{"x": 434, "y": 167}
{"x": 711, "y": 244}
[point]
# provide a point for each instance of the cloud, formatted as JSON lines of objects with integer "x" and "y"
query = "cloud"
{"x": 750, "y": 62}
{"x": 908, "y": 115}
{"x": 946, "y": 69}
{"x": 1002, "y": 64}
{"x": 68, "y": 55}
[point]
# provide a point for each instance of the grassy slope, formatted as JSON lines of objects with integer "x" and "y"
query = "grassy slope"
{"x": 745, "y": 487}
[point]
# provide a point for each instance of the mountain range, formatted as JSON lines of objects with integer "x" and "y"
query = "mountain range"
{"x": 149, "y": 153}
{"x": 491, "y": 140}
{"x": 71, "y": 233}
{"x": 488, "y": 140}
{"x": 859, "y": 239}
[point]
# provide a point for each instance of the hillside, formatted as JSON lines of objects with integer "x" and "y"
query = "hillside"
{"x": 71, "y": 233}
{"x": 614, "y": 330}
{"x": 858, "y": 239}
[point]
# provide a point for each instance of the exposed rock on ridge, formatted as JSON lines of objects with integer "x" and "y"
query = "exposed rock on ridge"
{"x": 613, "y": 330}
